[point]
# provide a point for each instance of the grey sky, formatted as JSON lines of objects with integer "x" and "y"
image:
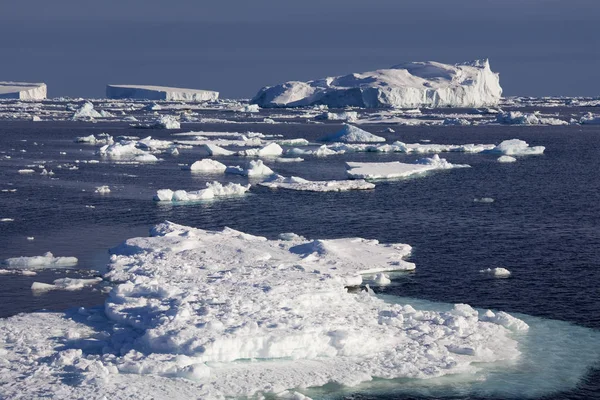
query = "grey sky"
{"x": 540, "y": 47}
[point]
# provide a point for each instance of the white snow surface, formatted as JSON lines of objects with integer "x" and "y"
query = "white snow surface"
{"x": 296, "y": 183}
{"x": 521, "y": 118}
{"x": 214, "y": 189}
{"x": 270, "y": 150}
{"x": 352, "y": 134}
{"x": 408, "y": 85}
{"x": 517, "y": 147}
{"x": 396, "y": 169}
{"x": 148, "y": 92}
{"x": 195, "y": 304}
{"x": 506, "y": 159}
{"x": 65, "y": 284}
{"x": 45, "y": 261}
{"x": 23, "y": 90}
{"x": 208, "y": 165}
{"x": 255, "y": 168}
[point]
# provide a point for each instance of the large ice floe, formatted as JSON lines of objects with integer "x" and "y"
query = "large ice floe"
{"x": 213, "y": 190}
{"x": 296, "y": 183}
{"x": 22, "y": 90}
{"x": 352, "y": 134}
{"x": 45, "y": 261}
{"x": 220, "y": 314}
{"x": 396, "y": 169}
{"x": 147, "y": 92}
{"x": 408, "y": 85}
{"x": 520, "y": 118}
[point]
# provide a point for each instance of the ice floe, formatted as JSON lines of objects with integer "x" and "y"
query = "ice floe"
{"x": 65, "y": 284}
{"x": 45, "y": 261}
{"x": 506, "y": 159}
{"x": 498, "y": 272}
{"x": 102, "y": 189}
{"x": 396, "y": 169}
{"x": 352, "y": 134}
{"x": 296, "y": 183}
{"x": 517, "y": 147}
{"x": 208, "y": 165}
{"x": 213, "y": 189}
{"x": 270, "y": 150}
{"x": 521, "y": 118}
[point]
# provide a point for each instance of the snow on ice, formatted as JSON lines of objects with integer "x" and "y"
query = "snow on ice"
{"x": 352, "y": 134}
{"x": 396, "y": 169}
{"x": 148, "y": 92}
{"x": 214, "y": 189}
{"x": 296, "y": 183}
{"x": 46, "y": 261}
{"x": 409, "y": 85}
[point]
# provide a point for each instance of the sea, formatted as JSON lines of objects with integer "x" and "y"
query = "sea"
{"x": 543, "y": 224}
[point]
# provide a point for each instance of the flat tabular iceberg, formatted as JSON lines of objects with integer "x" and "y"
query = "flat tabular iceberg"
{"x": 22, "y": 90}
{"x": 408, "y": 85}
{"x": 146, "y": 92}
{"x": 396, "y": 169}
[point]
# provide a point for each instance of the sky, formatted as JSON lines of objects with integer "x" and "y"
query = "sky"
{"x": 539, "y": 47}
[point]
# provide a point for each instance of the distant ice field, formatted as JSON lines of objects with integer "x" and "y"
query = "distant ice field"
{"x": 542, "y": 226}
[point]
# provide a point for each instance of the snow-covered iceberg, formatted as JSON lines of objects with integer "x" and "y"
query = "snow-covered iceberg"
{"x": 408, "y": 85}
{"x": 143, "y": 92}
{"x": 396, "y": 169}
{"x": 352, "y": 134}
{"x": 214, "y": 189}
{"x": 23, "y": 90}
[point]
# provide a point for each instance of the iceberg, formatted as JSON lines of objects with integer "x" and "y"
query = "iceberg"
{"x": 520, "y": 118}
{"x": 517, "y": 147}
{"x": 23, "y": 90}
{"x": 396, "y": 169}
{"x": 255, "y": 168}
{"x": 352, "y": 134}
{"x": 296, "y": 183}
{"x": 143, "y": 92}
{"x": 214, "y": 189}
{"x": 208, "y": 165}
{"x": 408, "y": 85}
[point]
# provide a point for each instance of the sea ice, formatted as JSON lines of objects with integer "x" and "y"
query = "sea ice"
{"x": 506, "y": 159}
{"x": 396, "y": 169}
{"x": 214, "y": 150}
{"x": 65, "y": 284}
{"x": 214, "y": 189}
{"x": 408, "y": 85}
{"x": 86, "y": 111}
{"x": 498, "y": 272}
{"x": 590, "y": 119}
{"x": 348, "y": 116}
{"x": 162, "y": 122}
{"x": 148, "y": 92}
{"x": 208, "y": 165}
{"x": 520, "y": 118}
{"x": 102, "y": 189}
{"x": 270, "y": 150}
{"x": 99, "y": 140}
{"x": 352, "y": 134}
{"x": 46, "y": 261}
{"x": 517, "y": 147}
{"x": 255, "y": 168}
{"x": 295, "y": 183}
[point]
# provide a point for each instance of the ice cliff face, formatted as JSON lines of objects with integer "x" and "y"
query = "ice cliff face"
{"x": 414, "y": 84}
{"x": 22, "y": 90}
{"x": 159, "y": 93}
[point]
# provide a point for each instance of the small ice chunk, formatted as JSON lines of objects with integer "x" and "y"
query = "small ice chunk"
{"x": 296, "y": 183}
{"x": 210, "y": 149}
{"x": 255, "y": 168}
{"x": 498, "y": 272}
{"x": 484, "y": 200}
{"x": 517, "y": 147}
{"x": 382, "y": 279}
{"x": 214, "y": 189}
{"x": 506, "y": 159}
{"x": 26, "y": 171}
{"x": 102, "y": 189}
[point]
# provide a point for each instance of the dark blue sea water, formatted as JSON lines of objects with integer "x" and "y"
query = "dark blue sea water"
{"x": 544, "y": 224}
